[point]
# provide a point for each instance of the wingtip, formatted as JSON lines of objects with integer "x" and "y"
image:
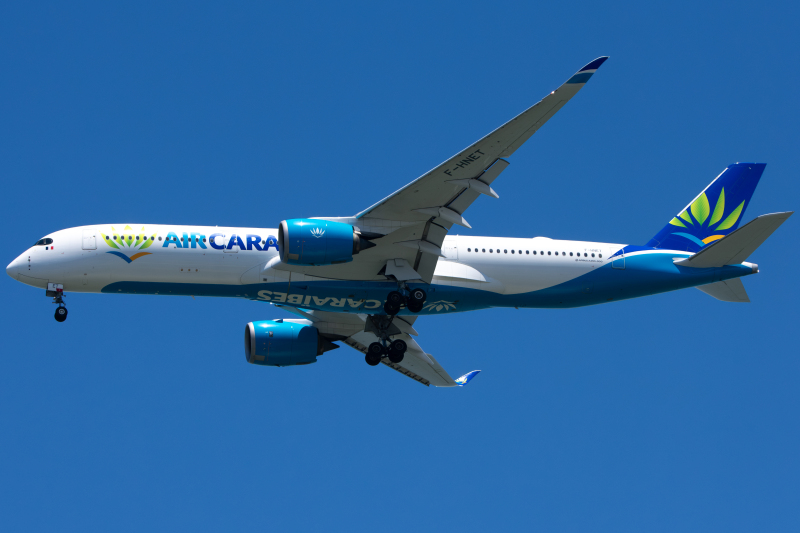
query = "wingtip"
{"x": 463, "y": 380}
{"x": 594, "y": 65}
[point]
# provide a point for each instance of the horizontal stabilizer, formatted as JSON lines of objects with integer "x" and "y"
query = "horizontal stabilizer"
{"x": 731, "y": 290}
{"x": 737, "y": 247}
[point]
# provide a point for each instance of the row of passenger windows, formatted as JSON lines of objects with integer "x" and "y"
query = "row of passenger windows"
{"x": 528, "y": 252}
{"x": 132, "y": 237}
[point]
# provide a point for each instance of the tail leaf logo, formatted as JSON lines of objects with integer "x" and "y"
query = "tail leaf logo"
{"x": 128, "y": 241}
{"x": 699, "y": 219}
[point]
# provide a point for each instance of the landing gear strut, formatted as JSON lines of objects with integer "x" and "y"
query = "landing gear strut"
{"x": 58, "y": 298}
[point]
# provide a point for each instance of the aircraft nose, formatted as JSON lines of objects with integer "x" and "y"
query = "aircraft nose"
{"x": 14, "y": 268}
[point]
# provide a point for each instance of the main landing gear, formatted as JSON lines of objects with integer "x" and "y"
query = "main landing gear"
{"x": 413, "y": 300}
{"x": 395, "y": 350}
{"x": 383, "y": 328}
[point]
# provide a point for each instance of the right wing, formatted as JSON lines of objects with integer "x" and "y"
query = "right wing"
{"x": 415, "y": 219}
{"x": 438, "y": 188}
{"x": 354, "y": 331}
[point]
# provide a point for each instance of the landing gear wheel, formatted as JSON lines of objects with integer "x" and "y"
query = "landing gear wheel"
{"x": 418, "y": 295}
{"x": 416, "y": 300}
{"x": 414, "y": 307}
{"x": 61, "y": 314}
{"x": 372, "y": 360}
{"x": 395, "y": 357}
{"x": 376, "y": 349}
{"x": 399, "y": 346}
{"x": 391, "y": 309}
{"x": 396, "y": 298}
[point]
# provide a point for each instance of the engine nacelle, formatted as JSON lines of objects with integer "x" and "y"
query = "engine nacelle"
{"x": 311, "y": 242}
{"x": 280, "y": 343}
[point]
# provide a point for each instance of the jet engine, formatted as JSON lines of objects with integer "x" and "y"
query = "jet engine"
{"x": 313, "y": 242}
{"x": 283, "y": 343}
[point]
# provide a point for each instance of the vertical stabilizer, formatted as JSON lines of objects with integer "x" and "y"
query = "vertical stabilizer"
{"x": 715, "y": 212}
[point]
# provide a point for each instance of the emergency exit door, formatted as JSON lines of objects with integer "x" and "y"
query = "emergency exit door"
{"x": 89, "y": 239}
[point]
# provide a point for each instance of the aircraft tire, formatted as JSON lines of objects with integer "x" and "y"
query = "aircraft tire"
{"x": 418, "y": 295}
{"x": 414, "y": 307}
{"x": 61, "y": 314}
{"x": 395, "y": 357}
{"x": 396, "y": 298}
{"x": 398, "y": 346}
{"x": 372, "y": 360}
{"x": 391, "y": 308}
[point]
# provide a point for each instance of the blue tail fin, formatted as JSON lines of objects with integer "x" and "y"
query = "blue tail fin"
{"x": 714, "y": 213}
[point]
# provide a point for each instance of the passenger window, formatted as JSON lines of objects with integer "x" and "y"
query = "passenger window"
{"x": 570, "y": 254}
{"x": 469, "y": 249}
{"x": 592, "y": 255}
{"x": 548, "y": 253}
{"x": 601, "y": 255}
{"x": 585, "y": 254}
{"x": 512, "y": 251}
{"x": 505, "y": 251}
{"x": 159, "y": 238}
{"x": 527, "y": 252}
{"x": 484, "y": 250}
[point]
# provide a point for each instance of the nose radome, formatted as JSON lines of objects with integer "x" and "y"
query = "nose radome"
{"x": 13, "y": 268}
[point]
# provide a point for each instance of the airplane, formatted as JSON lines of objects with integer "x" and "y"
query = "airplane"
{"x": 364, "y": 280}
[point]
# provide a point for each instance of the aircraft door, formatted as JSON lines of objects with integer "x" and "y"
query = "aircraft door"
{"x": 89, "y": 241}
{"x": 450, "y": 249}
{"x": 224, "y": 242}
{"x": 618, "y": 262}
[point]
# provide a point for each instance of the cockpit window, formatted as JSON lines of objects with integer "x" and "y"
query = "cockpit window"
{"x": 43, "y": 242}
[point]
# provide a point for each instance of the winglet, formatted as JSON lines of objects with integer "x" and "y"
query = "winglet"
{"x": 463, "y": 380}
{"x": 583, "y": 75}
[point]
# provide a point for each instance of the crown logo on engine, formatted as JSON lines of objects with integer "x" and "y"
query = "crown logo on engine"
{"x": 317, "y": 232}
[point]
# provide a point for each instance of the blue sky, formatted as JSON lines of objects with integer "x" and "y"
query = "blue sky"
{"x": 674, "y": 412}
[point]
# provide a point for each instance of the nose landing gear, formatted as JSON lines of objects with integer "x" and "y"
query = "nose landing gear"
{"x": 56, "y": 290}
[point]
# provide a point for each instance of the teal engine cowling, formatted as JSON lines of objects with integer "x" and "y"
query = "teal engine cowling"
{"x": 313, "y": 242}
{"x": 283, "y": 343}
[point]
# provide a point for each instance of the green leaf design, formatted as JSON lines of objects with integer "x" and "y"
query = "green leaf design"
{"x": 732, "y": 218}
{"x": 148, "y": 242}
{"x": 700, "y": 208}
{"x": 676, "y": 222}
{"x": 718, "y": 209}
{"x": 108, "y": 241}
{"x": 685, "y": 216}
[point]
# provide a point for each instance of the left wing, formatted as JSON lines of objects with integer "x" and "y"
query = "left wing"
{"x": 354, "y": 331}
